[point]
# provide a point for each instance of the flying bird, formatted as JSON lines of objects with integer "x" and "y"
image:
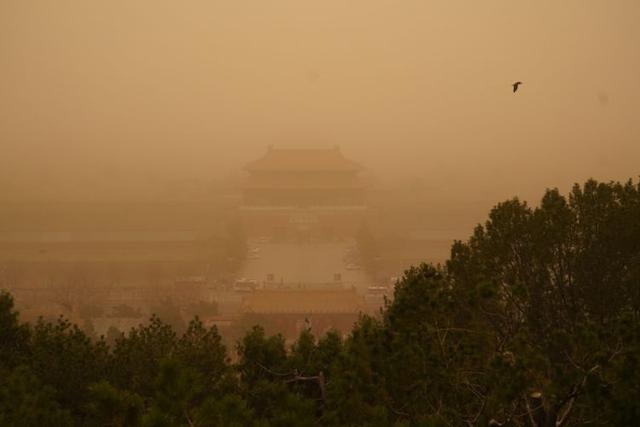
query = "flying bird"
{"x": 515, "y": 86}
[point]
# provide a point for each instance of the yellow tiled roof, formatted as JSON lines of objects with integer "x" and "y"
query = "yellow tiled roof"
{"x": 300, "y": 160}
{"x": 303, "y": 301}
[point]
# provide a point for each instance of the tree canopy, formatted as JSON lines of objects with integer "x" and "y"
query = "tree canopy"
{"x": 533, "y": 321}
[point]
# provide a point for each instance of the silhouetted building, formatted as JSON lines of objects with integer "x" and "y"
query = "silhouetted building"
{"x": 303, "y": 193}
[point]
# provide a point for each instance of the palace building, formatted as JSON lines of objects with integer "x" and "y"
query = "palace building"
{"x": 294, "y": 193}
{"x": 290, "y": 311}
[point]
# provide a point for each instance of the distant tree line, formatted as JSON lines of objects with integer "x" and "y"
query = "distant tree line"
{"x": 534, "y": 321}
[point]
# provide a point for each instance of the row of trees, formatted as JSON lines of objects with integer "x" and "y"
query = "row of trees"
{"x": 534, "y": 321}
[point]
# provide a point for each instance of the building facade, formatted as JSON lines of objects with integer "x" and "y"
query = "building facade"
{"x": 303, "y": 193}
{"x": 289, "y": 311}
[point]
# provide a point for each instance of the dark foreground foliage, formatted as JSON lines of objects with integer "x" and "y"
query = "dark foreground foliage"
{"x": 534, "y": 321}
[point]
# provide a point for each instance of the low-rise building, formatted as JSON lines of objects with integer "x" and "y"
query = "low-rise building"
{"x": 290, "y": 311}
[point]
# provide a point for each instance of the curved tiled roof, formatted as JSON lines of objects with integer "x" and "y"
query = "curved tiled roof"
{"x": 303, "y": 301}
{"x": 303, "y": 160}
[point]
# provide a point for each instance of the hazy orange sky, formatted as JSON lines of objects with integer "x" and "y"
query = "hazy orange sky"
{"x": 108, "y": 96}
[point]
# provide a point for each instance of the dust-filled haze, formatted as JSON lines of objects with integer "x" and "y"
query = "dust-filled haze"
{"x": 116, "y": 98}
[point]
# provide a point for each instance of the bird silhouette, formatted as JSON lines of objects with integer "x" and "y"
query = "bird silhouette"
{"x": 515, "y": 86}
